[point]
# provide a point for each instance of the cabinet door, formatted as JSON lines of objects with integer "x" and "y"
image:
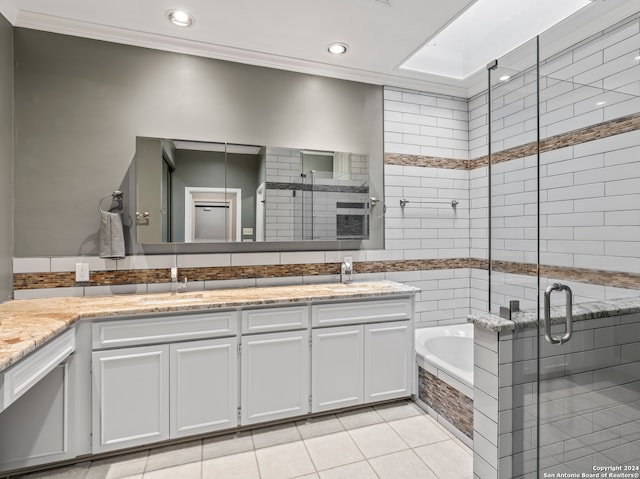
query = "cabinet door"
{"x": 388, "y": 351}
{"x": 130, "y": 397}
{"x": 204, "y": 386}
{"x": 337, "y": 374}
{"x": 275, "y": 376}
{"x": 39, "y": 426}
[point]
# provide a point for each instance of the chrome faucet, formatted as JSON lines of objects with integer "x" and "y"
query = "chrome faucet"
{"x": 346, "y": 270}
{"x": 176, "y": 286}
{"x": 174, "y": 280}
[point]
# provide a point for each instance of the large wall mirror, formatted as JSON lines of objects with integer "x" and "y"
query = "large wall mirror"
{"x": 221, "y": 193}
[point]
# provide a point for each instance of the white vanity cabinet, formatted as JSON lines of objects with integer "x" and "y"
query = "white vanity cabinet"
{"x": 275, "y": 366}
{"x": 388, "y": 363}
{"x": 130, "y": 397}
{"x": 122, "y": 381}
{"x": 149, "y": 393}
{"x": 367, "y": 361}
{"x": 337, "y": 359}
{"x": 204, "y": 386}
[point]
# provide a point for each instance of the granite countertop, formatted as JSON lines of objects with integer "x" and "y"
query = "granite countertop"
{"x": 581, "y": 312}
{"x": 26, "y": 324}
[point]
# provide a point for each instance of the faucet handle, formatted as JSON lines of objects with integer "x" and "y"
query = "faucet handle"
{"x": 348, "y": 264}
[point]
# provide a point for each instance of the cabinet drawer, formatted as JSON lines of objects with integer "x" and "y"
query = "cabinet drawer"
{"x": 275, "y": 319}
{"x": 136, "y": 331}
{"x": 26, "y": 374}
{"x": 360, "y": 312}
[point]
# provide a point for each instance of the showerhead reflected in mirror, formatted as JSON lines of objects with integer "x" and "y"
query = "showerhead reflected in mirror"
{"x": 217, "y": 192}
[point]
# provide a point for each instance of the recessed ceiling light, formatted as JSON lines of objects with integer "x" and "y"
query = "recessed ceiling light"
{"x": 600, "y": 103}
{"x": 504, "y": 77}
{"x": 337, "y": 48}
{"x": 180, "y": 18}
{"x": 637, "y": 58}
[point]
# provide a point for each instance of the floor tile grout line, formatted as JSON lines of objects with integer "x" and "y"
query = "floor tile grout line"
{"x": 388, "y": 420}
{"x": 255, "y": 458}
{"x": 427, "y": 465}
{"x": 315, "y": 467}
{"x": 201, "y": 459}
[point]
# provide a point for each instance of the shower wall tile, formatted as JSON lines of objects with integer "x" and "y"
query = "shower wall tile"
{"x": 594, "y": 82}
{"x": 493, "y": 437}
{"x": 586, "y": 409}
{"x": 426, "y": 124}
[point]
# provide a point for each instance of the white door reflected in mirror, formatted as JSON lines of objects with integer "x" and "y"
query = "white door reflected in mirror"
{"x": 212, "y": 214}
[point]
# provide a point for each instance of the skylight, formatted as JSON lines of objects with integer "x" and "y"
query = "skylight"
{"x": 486, "y": 31}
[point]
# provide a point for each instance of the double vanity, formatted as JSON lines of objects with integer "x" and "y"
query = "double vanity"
{"x": 82, "y": 376}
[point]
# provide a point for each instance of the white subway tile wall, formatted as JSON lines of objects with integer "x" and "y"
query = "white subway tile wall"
{"x": 295, "y": 214}
{"x": 419, "y": 123}
{"x": 478, "y": 126}
{"x": 283, "y": 165}
{"x": 486, "y": 404}
{"x": 427, "y": 227}
{"x": 589, "y": 192}
{"x": 594, "y": 82}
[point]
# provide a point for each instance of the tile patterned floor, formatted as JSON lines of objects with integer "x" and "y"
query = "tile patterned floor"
{"x": 391, "y": 441}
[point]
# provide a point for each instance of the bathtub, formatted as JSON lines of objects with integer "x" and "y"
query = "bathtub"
{"x": 444, "y": 360}
{"x": 449, "y": 349}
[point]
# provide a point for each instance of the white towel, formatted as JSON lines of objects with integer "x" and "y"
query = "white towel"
{"x": 111, "y": 235}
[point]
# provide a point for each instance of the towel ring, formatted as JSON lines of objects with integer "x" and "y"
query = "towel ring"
{"x": 116, "y": 195}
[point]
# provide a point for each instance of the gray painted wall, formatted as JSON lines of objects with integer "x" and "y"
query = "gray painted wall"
{"x": 6, "y": 154}
{"x": 79, "y": 105}
{"x": 149, "y": 187}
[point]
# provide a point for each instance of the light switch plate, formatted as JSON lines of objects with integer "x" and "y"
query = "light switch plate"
{"x": 82, "y": 272}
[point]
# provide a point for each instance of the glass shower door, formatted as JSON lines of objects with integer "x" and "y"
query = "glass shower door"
{"x": 565, "y": 238}
{"x": 513, "y": 174}
{"x": 589, "y": 383}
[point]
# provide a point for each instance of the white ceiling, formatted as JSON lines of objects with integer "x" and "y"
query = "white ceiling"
{"x": 285, "y": 34}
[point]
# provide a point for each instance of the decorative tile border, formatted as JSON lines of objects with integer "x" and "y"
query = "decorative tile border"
{"x": 598, "y": 131}
{"x": 272, "y": 185}
{"x": 450, "y": 403}
{"x": 425, "y": 161}
{"x": 583, "y": 275}
{"x": 22, "y": 281}
{"x": 418, "y": 265}
{"x": 25, "y": 281}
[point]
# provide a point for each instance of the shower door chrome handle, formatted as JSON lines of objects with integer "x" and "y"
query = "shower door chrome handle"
{"x": 568, "y": 314}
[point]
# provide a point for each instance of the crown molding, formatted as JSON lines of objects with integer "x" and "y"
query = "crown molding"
{"x": 9, "y": 11}
{"x": 49, "y": 23}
